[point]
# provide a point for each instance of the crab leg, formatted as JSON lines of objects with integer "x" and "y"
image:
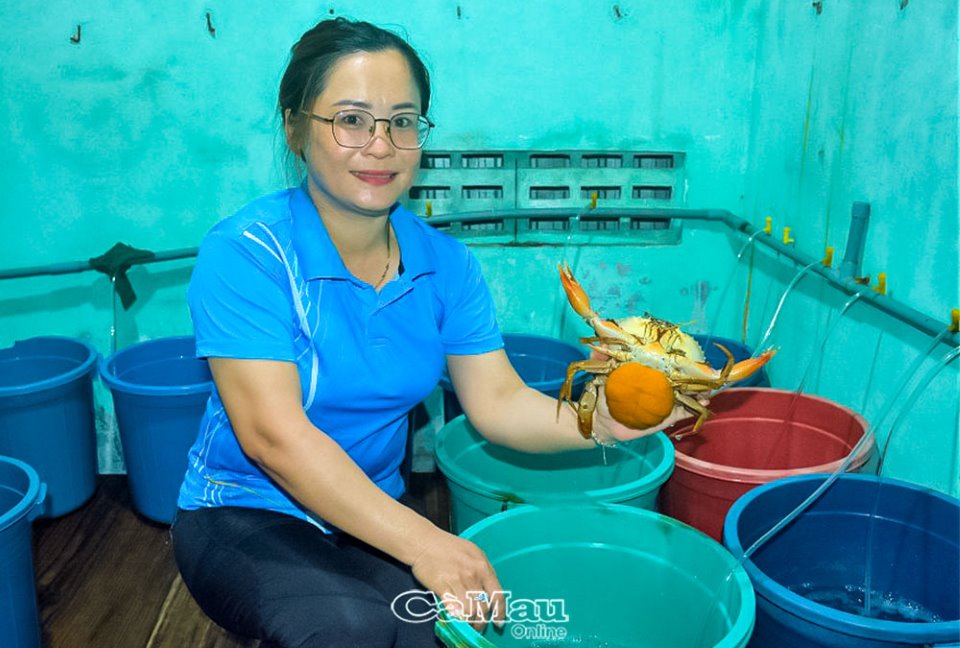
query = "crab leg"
{"x": 594, "y": 367}
{"x": 696, "y": 407}
{"x": 746, "y": 368}
{"x": 605, "y": 329}
{"x": 701, "y": 371}
{"x": 586, "y": 407}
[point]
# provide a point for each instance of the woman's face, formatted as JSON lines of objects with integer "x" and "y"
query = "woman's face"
{"x": 369, "y": 180}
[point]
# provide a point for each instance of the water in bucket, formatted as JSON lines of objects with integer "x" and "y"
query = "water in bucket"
{"x": 810, "y": 578}
{"x": 607, "y": 576}
{"x": 852, "y": 599}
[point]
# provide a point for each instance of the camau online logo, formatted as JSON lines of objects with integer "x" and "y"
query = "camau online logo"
{"x": 529, "y": 618}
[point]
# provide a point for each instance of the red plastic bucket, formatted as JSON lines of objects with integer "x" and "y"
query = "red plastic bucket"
{"x": 755, "y": 436}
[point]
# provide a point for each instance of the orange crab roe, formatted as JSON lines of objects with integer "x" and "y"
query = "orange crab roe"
{"x": 638, "y": 396}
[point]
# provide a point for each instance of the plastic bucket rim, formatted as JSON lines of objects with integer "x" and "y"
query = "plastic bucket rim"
{"x": 580, "y": 376}
{"x": 758, "y": 476}
{"x": 86, "y": 367}
{"x": 126, "y": 387}
{"x": 809, "y": 610}
{"x": 736, "y": 633}
{"x": 28, "y": 500}
{"x": 655, "y": 479}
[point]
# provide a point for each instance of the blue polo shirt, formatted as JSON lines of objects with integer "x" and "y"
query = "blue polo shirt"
{"x": 270, "y": 285}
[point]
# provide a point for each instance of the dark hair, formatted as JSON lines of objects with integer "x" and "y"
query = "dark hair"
{"x": 319, "y": 49}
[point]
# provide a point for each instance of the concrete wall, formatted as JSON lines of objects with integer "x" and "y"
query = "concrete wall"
{"x": 151, "y": 128}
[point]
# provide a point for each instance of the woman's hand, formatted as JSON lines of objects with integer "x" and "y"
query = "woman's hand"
{"x": 458, "y": 572}
{"x": 608, "y": 429}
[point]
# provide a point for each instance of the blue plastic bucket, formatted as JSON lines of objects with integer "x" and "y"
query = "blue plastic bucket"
{"x": 21, "y": 501}
{"x": 810, "y": 579}
{"x": 160, "y": 390}
{"x": 610, "y": 576}
{"x": 47, "y": 416}
{"x": 540, "y": 361}
{"x": 485, "y": 478}
{"x": 717, "y": 358}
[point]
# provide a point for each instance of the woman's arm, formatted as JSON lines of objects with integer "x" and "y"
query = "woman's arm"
{"x": 262, "y": 399}
{"x": 507, "y": 412}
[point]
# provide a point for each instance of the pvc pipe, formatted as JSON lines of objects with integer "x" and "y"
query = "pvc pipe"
{"x": 83, "y": 266}
{"x": 898, "y": 310}
{"x": 856, "y": 239}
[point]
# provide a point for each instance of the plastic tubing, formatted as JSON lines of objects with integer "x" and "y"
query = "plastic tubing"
{"x": 712, "y": 324}
{"x": 908, "y": 376}
{"x": 823, "y": 342}
{"x": 783, "y": 299}
{"x": 914, "y": 394}
{"x": 845, "y": 464}
{"x": 918, "y": 389}
{"x": 574, "y": 223}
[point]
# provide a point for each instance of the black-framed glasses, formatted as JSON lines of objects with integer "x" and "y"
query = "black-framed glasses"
{"x": 354, "y": 128}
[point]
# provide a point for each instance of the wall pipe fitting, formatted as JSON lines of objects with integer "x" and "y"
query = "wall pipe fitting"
{"x": 856, "y": 241}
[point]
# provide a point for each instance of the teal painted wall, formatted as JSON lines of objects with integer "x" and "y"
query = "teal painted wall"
{"x": 150, "y": 130}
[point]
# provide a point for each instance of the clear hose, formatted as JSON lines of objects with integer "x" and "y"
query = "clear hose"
{"x": 927, "y": 379}
{"x": 563, "y": 306}
{"x": 712, "y": 322}
{"x": 823, "y": 341}
{"x": 920, "y": 388}
{"x": 908, "y": 375}
{"x": 845, "y": 464}
{"x": 783, "y": 299}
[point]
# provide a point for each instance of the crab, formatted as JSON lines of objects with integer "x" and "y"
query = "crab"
{"x": 653, "y": 343}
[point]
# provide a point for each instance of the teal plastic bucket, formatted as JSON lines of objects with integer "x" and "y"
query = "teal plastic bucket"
{"x": 160, "y": 390}
{"x": 21, "y": 501}
{"x": 607, "y": 576}
{"x": 486, "y": 478}
{"x": 47, "y": 416}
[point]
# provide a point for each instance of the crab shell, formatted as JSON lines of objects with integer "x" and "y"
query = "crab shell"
{"x": 672, "y": 339}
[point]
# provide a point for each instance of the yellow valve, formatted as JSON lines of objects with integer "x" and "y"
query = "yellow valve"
{"x": 881, "y": 286}
{"x": 593, "y": 200}
{"x": 787, "y": 239}
{"x": 768, "y": 229}
{"x": 828, "y": 259}
{"x": 429, "y": 209}
{"x": 955, "y": 320}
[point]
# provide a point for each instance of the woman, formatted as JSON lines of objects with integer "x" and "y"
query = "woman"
{"x": 326, "y": 312}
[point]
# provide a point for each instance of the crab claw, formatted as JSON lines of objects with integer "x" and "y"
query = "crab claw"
{"x": 578, "y": 298}
{"x": 750, "y": 366}
{"x": 575, "y": 293}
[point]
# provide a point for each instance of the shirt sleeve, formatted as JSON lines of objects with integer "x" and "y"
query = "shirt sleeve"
{"x": 469, "y": 325}
{"x": 240, "y": 301}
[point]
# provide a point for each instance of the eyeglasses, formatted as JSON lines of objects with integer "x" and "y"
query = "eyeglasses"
{"x": 355, "y": 128}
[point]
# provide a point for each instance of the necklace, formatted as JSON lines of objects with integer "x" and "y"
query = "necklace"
{"x": 387, "y": 266}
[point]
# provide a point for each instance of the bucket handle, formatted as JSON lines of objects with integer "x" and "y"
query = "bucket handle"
{"x": 40, "y": 505}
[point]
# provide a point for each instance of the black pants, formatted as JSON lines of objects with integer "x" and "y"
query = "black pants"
{"x": 282, "y": 580}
